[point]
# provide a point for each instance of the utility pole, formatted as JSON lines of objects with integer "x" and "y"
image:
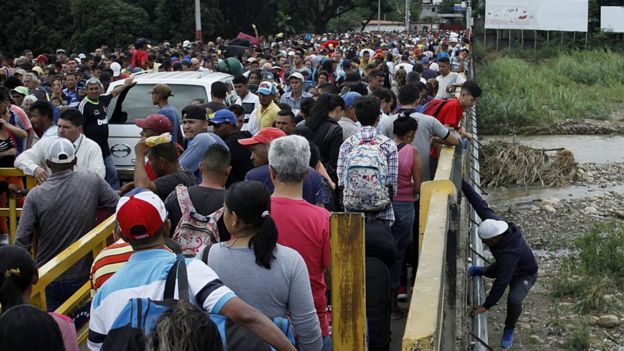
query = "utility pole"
{"x": 379, "y": 15}
{"x": 407, "y": 15}
{"x": 198, "y": 28}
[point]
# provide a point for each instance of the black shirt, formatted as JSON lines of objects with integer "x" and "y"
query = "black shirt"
{"x": 95, "y": 124}
{"x": 7, "y": 144}
{"x": 240, "y": 158}
{"x": 205, "y": 200}
{"x": 165, "y": 185}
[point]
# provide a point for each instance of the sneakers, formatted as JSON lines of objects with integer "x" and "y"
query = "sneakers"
{"x": 402, "y": 294}
{"x": 507, "y": 339}
{"x": 475, "y": 270}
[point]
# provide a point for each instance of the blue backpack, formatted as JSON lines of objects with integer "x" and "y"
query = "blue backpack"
{"x": 135, "y": 322}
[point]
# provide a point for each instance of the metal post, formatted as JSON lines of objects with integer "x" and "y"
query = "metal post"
{"x": 484, "y": 38}
{"x": 586, "y": 37}
{"x": 547, "y": 37}
{"x": 562, "y": 34}
{"x": 379, "y": 15}
{"x": 534, "y": 44}
{"x": 509, "y": 41}
{"x": 198, "y": 28}
{"x": 497, "y": 40}
{"x": 407, "y": 15}
{"x": 522, "y": 38}
{"x": 574, "y": 38}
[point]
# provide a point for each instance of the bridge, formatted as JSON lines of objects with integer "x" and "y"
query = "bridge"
{"x": 442, "y": 294}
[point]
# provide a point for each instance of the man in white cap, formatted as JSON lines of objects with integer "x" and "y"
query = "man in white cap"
{"x": 515, "y": 264}
{"x": 61, "y": 211}
{"x": 296, "y": 94}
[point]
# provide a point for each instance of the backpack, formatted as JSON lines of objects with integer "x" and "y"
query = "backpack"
{"x": 366, "y": 171}
{"x": 133, "y": 325}
{"x": 194, "y": 230}
{"x": 433, "y": 107}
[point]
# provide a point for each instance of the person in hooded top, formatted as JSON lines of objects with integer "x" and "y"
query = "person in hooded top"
{"x": 515, "y": 265}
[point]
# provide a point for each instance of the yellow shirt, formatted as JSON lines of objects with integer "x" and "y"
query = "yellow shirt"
{"x": 267, "y": 116}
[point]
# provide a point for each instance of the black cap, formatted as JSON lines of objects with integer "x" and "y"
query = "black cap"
{"x": 194, "y": 112}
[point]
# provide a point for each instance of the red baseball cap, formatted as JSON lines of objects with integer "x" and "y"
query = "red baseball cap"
{"x": 264, "y": 136}
{"x": 42, "y": 58}
{"x": 157, "y": 122}
{"x": 142, "y": 208}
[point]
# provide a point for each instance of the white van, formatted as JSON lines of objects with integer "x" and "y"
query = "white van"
{"x": 185, "y": 87}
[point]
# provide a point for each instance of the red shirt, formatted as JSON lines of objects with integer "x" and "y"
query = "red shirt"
{"x": 138, "y": 58}
{"x": 305, "y": 228}
{"x": 451, "y": 113}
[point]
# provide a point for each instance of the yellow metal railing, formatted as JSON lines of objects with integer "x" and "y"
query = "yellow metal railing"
{"x": 423, "y": 328}
{"x": 348, "y": 281}
{"x": 12, "y": 212}
{"x": 91, "y": 243}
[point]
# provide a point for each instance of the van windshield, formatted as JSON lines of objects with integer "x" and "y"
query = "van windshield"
{"x": 138, "y": 101}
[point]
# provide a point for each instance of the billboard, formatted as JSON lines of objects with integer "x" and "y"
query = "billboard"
{"x": 560, "y": 15}
{"x": 611, "y": 19}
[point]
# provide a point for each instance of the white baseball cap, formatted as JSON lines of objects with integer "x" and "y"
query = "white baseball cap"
{"x": 491, "y": 228}
{"x": 116, "y": 68}
{"x": 61, "y": 151}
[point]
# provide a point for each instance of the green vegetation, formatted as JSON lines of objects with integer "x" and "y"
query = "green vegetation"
{"x": 593, "y": 272}
{"x": 580, "y": 339}
{"x": 569, "y": 85}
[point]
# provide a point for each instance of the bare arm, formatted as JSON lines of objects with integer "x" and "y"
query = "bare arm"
{"x": 18, "y": 132}
{"x": 29, "y": 140}
{"x": 126, "y": 85}
{"x": 416, "y": 175}
{"x": 245, "y": 315}
{"x": 141, "y": 180}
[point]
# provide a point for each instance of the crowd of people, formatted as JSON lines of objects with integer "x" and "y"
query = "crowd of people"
{"x": 242, "y": 189}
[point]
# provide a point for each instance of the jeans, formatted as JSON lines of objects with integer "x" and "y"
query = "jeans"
{"x": 518, "y": 289}
{"x": 59, "y": 291}
{"x": 401, "y": 231}
{"x": 327, "y": 343}
{"x": 111, "y": 172}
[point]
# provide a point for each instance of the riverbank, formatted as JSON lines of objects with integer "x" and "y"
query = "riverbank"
{"x": 521, "y": 95}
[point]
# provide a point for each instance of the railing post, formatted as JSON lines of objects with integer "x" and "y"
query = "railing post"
{"x": 348, "y": 282}
{"x": 12, "y": 218}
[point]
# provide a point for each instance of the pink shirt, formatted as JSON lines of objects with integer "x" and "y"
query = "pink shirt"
{"x": 305, "y": 228}
{"x": 405, "y": 191}
{"x": 68, "y": 330}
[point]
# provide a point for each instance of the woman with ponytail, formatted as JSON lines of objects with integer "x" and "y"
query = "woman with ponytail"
{"x": 266, "y": 275}
{"x": 18, "y": 274}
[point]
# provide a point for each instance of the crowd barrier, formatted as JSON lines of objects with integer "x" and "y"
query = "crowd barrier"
{"x": 12, "y": 212}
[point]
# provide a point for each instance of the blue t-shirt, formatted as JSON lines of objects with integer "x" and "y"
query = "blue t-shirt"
{"x": 172, "y": 114}
{"x": 313, "y": 187}
{"x": 195, "y": 151}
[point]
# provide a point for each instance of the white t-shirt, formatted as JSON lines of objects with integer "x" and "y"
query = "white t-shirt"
{"x": 443, "y": 82}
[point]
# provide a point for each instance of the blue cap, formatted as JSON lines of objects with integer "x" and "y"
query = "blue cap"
{"x": 349, "y": 98}
{"x": 425, "y": 60}
{"x": 223, "y": 116}
{"x": 441, "y": 55}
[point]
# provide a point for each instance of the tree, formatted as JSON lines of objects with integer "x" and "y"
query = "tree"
{"x": 28, "y": 25}
{"x": 113, "y": 22}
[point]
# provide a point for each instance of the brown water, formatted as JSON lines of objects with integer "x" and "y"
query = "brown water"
{"x": 602, "y": 149}
{"x": 586, "y": 148}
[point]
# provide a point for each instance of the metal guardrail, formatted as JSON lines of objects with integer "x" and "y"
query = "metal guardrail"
{"x": 425, "y": 320}
{"x": 479, "y": 334}
{"x": 12, "y": 212}
{"x": 91, "y": 243}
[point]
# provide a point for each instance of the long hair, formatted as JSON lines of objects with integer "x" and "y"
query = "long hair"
{"x": 320, "y": 111}
{"x": 27, "y": 328}
{"x": 251, "y": 201}
{"x": 17, "y": 270}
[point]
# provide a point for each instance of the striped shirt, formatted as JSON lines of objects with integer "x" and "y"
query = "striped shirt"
{"x": 108, "y": 262}
{"x": 144, "y": 276}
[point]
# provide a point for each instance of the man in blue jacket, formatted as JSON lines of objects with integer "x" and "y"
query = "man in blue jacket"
{"x": 515, "y": 264}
